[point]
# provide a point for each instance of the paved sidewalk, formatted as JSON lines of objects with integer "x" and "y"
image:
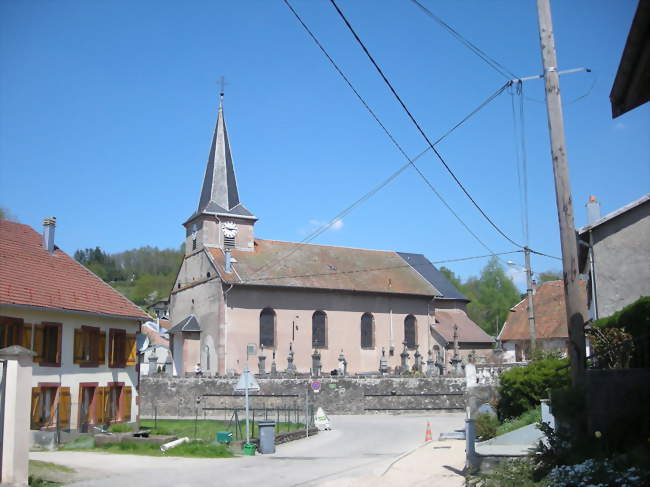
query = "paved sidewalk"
{"x": 433, "y": 464}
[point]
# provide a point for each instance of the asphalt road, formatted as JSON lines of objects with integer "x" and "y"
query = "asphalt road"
{"x": 357, "y": 447}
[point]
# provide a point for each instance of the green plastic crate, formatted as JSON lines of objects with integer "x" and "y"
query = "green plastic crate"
{"x": 224, "y": 437}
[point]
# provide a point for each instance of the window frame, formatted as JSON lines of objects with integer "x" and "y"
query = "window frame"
{"x": 265, "y": 312}
{"x": 414, "y": 345}
{"x": 372, "y": 331}
{"x": 16, "y": 326}
{"x": 117, "y": 358}
{"x": 315, "y": 345}
{"x": 87, "y": 333}
{"x": 59, "y": 327}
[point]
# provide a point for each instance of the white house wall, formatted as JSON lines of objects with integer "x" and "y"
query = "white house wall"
{"x": 70, "y": 374}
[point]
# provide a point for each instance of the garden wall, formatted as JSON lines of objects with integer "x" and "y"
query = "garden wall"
{"x": 175, "y": 397}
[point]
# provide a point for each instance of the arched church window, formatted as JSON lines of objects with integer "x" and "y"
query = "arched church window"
{"x": 319, "y": 329}
{"x": 267, "y": 328}
{"x": 367, "y": 331}
{"x": 410, "y": 331}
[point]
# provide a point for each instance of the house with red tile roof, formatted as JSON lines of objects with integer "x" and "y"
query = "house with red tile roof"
{"x": 244, "y": 301}
{"x": 80, "y": 329}
{"x": 550, "y": 322}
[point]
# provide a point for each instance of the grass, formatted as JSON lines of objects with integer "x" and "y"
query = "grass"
{"x": 120, "y": 428}
{"x": 46, "y": 474}
{"x": 529, "y": 417}
{"x": 193, "y": 449}
{"x": 206, "y": 429}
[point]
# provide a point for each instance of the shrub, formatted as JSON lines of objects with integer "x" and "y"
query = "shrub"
{"x": 521, "y": 388}
{"x": 529, "y": 417}
{"x": 509, "y": 473}
{"x": 486, "y": 426}
{"x": 603, "y": 473}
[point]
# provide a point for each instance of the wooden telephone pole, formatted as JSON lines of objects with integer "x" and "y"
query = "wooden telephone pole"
{"x": 575, "y": 318}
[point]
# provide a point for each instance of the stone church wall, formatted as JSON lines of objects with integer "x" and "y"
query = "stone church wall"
{"x": 172, "y": 397}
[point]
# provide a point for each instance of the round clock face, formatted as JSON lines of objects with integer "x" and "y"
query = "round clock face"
{"x": 230, "y": 229}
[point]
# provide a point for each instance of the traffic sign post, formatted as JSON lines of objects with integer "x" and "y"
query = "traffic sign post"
{"x": 247, "y": 383}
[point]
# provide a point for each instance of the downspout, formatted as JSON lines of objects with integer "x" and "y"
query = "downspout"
{"x": 225, "y": 328}
{"x": 592, "y": 268}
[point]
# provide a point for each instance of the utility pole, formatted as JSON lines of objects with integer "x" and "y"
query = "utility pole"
{"x": 575, "y": 318}
{"x": 531, "y": 311}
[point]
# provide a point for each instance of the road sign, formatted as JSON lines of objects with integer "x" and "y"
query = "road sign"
{"x": 315, "y": 386}
{"x": 247, "y": 382}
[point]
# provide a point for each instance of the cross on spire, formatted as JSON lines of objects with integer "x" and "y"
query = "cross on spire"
{"x": 222, "y": 86}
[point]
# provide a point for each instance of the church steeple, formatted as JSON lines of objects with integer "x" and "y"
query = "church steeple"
{"x": 219, "y": 192}
{"x": 219, "y": 203}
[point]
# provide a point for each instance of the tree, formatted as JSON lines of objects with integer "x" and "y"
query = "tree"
{"x": 453, "y": 278}
{"x": 492, "y": 295}
{"x": 549, "y": 276}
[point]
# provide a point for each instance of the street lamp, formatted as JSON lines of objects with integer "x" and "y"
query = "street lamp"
{"x": 529, "y": 294}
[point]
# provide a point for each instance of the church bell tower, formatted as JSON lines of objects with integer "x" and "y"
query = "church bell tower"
{"x": 220, "y": 220}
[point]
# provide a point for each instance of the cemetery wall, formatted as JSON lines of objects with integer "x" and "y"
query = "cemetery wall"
{"x": 175, "y": 397}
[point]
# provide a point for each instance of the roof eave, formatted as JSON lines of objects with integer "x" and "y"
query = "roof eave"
{"x": 76, "y": 311}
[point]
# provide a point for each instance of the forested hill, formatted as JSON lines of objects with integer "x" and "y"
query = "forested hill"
{"x": 143, "y": 275}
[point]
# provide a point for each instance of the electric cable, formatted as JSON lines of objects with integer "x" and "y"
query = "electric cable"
{"x": 498, "y": 67}
{"x": 417, "y": 125}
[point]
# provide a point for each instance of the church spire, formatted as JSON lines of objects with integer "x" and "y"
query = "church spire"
{"x": 219, "y": 192}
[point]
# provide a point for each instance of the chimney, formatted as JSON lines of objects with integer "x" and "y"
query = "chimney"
{"x": 593, "y": 210}
{"x": 49, "y": 225}
{"x": 228, "y": 262}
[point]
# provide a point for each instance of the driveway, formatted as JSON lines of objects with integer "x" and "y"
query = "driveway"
{"x": 357, "y": 451}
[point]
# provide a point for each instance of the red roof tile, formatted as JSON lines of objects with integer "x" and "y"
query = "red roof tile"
{"x": 550, "y": 313}
{"x": 468, "y": 331}
{"x": 30, "y": 276}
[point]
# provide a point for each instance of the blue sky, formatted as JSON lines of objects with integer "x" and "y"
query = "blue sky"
{"x": 107, "y": 110}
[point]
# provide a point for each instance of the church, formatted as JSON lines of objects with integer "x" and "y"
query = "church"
{"x": 243, "y": 301}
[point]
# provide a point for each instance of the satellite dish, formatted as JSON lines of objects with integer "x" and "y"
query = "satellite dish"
{"x": 141, "y": 342}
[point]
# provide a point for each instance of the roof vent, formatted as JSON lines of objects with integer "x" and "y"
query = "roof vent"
{"x": 593, "y": 210}
{"x": 49, "y": 225}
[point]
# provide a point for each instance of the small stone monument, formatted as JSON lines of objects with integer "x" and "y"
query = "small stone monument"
{"x": 417, "y": 366}
{"x": 274, "y": 367}
{"x": 153, "y": 363}
{"x": 261, "y": 361}
{"x": 315, "y": 363}
{"x": 404, "y": 367}
{"x": 343, "y": 364}
{"x": 383, "y": 362}
{"x": 291, "y": 368}
{"x": 430, "y": 367}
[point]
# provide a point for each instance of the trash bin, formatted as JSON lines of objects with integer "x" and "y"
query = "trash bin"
{"x": 249, "y": 449}
{"x": 267, "y": 436}
{"x": 224, "y": 437}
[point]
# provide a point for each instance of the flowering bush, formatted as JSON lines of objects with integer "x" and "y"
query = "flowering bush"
{"x": 597, "y": 473}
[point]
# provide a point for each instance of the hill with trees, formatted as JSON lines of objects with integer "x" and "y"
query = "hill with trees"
{"x": 143, "y": 275}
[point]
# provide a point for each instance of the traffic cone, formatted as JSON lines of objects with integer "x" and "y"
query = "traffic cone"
{"x": 427, "y": 435}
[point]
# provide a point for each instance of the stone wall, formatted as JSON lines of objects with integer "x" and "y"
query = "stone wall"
{"x": 174, "y": 397}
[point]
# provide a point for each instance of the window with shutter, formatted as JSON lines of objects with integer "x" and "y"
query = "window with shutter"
{"x": 410, "y": 332}
{"x": 50, "y": 352}
{"x": 130, "y": 350}
{"x": 11, "y": 331}
{"x": 113, "y": 401}
{"x": 100, "y": 404}
{"x": 116, "y": 348}
{"x": 27, "y": 336}
{"x": 367, "y": 330}
{"x": 319, "y": 330}
{"x": 64, "y": 408}
{"x": 35, "y": 422}
{"x": 125, "y": 406}
{"x": 86, "y": 346}
{"x": 267, "y": 328}
{"x": 38, "y": 342}
{"x": 101, "y": 352}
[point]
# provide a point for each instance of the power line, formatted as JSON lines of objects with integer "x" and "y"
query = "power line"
{"x": 498, "y": 67}
{"x": 417, "y": 125}
{"x": 411, "y": 161}
{"x": 521, "y": 156}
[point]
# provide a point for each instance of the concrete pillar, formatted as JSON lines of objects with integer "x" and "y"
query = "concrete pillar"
{"x": 547, "y": 415}
{"x": 17, "y": 406}
{"x": 153, "y": 364}
{"x": 470, "y": 440}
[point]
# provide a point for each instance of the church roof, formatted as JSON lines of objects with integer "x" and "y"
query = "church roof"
{"x": 189, "y": 323}
{"x": 219, "y": 194}
{"x": 287, "y": 264}
{"x": 468, "y": 331}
